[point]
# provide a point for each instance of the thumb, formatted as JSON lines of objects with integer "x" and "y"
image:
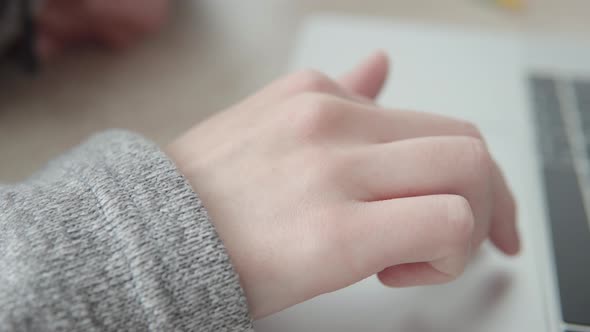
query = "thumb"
{"x": 368, "y": 78}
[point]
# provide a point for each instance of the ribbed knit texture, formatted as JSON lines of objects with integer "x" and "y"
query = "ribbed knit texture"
{"x": 111, "y": 237}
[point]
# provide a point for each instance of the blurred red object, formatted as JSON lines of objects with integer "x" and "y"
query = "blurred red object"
{"x": 63, "y": 24}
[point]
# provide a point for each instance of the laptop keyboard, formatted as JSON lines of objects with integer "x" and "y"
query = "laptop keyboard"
{"x": 562, "y": 112}
{"x": 582, "y": 91}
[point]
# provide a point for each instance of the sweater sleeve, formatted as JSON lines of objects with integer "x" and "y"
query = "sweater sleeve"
{"x": 111, "y": 237}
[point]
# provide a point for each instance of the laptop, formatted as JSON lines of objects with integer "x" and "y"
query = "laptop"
{"x": 530, "y": 96}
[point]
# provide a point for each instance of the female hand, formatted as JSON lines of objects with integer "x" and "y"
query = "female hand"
{"x": 313, "y": 187}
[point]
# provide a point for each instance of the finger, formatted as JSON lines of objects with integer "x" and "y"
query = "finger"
{"x": 395, "y": 125}
{"x": 302, "y": 82}
{"x": 374, "y": 125}
{"x": 384, "y": 126}
{"x": 387, "y": 126}
{"x": 435, "y": 230}
{"x": 265, "y": 102}
{"x": 412, "y": 274}
{"x": 349, "y": 121}
{"x": 503, "y": 228}
{"x": 363, "y": 82}
{"x": 361, "y": 85}
{"x": 503, "y": 231}
{"x": 426, "y": 166}
{"x": 368, "y": 78}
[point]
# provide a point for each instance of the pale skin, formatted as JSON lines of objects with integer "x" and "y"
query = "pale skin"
{"x": 310, "y": 184}
{"x": 312, "y": 187}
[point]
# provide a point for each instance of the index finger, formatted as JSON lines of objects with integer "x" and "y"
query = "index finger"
{"x": 503, "y": 230}
{"x": 407, "y": 125}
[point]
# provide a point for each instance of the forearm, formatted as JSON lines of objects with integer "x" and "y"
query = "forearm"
{"x": 111, "y": 237}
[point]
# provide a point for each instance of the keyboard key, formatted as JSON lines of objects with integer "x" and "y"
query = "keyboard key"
{"x": 582, "y": 92}
{"x": 551, "y": 132}
{"x": 571, "y": 243}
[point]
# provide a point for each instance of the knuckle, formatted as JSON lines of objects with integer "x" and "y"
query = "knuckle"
{"x": 311, "y": 115}
{"x": 460, "y": 221}
{"x": 452, "y": 267}
{"x": 310, "y": 81}
{"x": 479, "y": 158}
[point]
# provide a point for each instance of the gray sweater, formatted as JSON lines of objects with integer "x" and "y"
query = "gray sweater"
{"x": 111, "y": 237}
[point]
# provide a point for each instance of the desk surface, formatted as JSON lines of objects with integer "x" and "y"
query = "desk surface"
{"x": 212, "y": 54}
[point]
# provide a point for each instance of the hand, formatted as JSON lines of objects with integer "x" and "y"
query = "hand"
{"x": 312, "y": 187}
{"x": 67, "y": 23}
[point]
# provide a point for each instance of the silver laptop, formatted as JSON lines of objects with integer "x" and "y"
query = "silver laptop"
{"x": 530, "y": 95}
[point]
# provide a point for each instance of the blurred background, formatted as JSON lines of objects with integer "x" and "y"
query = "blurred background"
{"x": 210, "y": 54}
